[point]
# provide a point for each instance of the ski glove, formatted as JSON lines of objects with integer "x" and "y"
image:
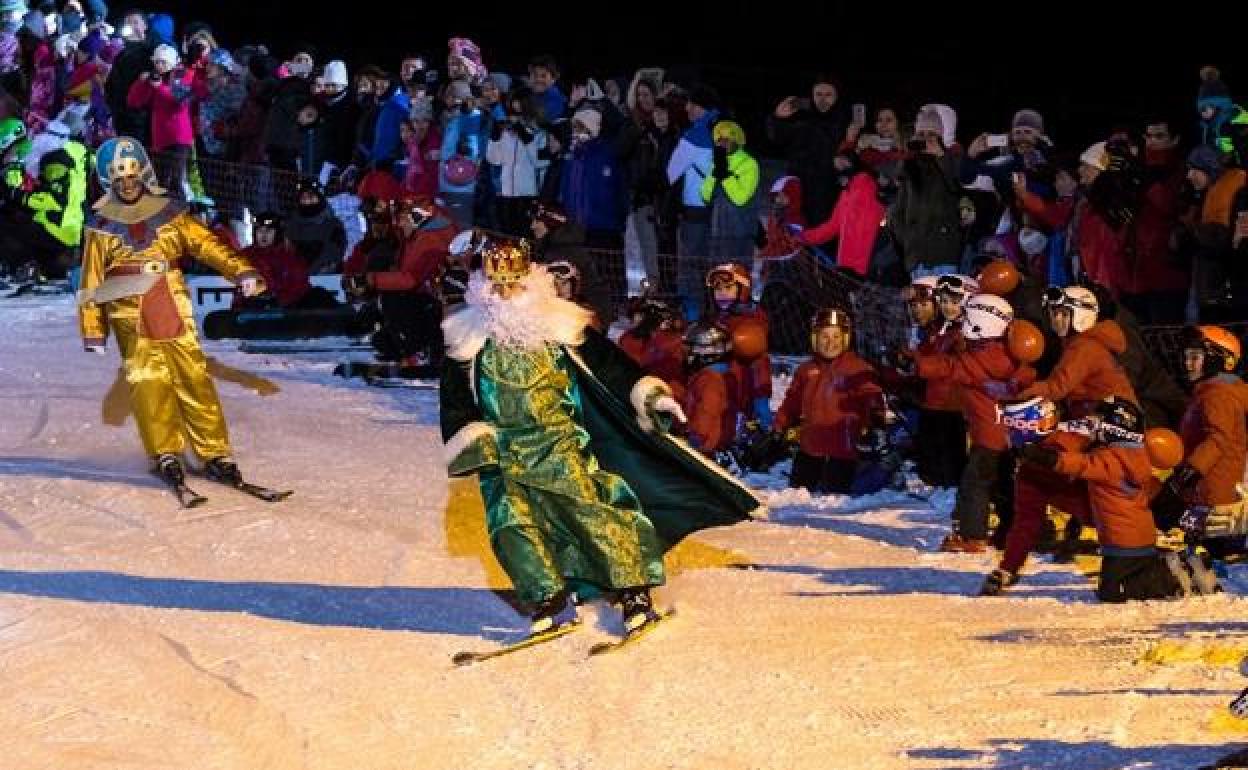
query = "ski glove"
{"x": 1040, "y": 455}
{"x": 996, "y": 583}
{"x": 355, "y": 285}
{"x": 668, "y": 406}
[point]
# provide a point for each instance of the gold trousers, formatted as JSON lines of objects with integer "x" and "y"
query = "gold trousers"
{"x": 171, "y": 392}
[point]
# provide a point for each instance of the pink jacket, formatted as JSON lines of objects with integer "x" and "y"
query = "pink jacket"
{"x": 171, "y": 112}
{"x": 856, "y": 221}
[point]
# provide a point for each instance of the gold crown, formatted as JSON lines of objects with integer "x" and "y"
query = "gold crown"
{"x": 505, "y": 260}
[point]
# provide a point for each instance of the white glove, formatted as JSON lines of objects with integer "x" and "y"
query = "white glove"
{"x": 1226, "y": 524}
{"x": 667, "y": 405}
{"x": 252, "y": 286}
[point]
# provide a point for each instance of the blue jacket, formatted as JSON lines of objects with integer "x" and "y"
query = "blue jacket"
{"x": 386, "y": 142}
{"x": 553, "y": 104}
{"x": 691, "y": 161}
{"x": 468, "y": 130}
{"x": 592, "y": 188}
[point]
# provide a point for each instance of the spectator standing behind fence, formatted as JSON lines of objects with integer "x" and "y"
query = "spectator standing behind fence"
{"x": 493, "y": 105}
{"x": 1105, "y": 217}
{"x": 372, "y": 89}
{"x": 543, "y": 79}
{"x": 592, "y": 188}
{"x": 294, "y": 89}
{"x": 423, "y": 143}
{"x": 341, "y": 112}
{"x": 167, "y": 91}
{"x": 810, "y": 131}
{"x": 39, "y": 63}
{"x": 925, "y": 222}
{"x": 395, "y": 107}
{"x": 731, "y": 192}
{"x": 639, "y": 146}
{"x": 463, "y": 151}
{"x": 689, "y": 165}
{"x": 134, "y": 57}
{"x": 221, "y": 108}
{"x": 515, "y": 152}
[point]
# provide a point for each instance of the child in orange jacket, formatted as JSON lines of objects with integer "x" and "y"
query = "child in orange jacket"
{"x": 730, "y": 286}
{"x": 708, "y": 398}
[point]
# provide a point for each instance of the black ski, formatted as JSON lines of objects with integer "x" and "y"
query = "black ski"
{"x": 468, "y": 657}
{"x": 602, "y": 648}
{"x": 255, "y": 490}
{"x": 187, "y": 497}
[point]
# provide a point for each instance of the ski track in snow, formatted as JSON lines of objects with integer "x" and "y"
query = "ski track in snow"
{"x": 317, "y": 633}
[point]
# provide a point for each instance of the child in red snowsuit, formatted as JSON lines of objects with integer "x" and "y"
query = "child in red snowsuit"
{"x": 708, "y": 398}
{"x": 284, "y": 273}
{"x": 730, "y": 286}
{"x": 834, "y": 398}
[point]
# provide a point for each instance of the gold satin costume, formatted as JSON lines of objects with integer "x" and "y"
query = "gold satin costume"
{"x": 132, "y": 285}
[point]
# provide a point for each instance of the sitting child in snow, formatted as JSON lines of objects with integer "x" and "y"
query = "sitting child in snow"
{"x": 785, "y": 221}
{"x": 1117, "y": 470}
{"x": 707, "y": 400}
{"x": 568, "y": 286}
{"x": 730, "y": 285}
{"x": 834, "y": 398}
{"x": 656, "y": 341}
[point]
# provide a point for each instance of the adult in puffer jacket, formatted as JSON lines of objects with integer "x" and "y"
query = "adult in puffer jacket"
{"x": 515, "y": 149}
{"x": 731, "y": 192}
{"x": 925, "y": 221}
{"x": 592, "y": 189}
{"x": 855, "y": 222}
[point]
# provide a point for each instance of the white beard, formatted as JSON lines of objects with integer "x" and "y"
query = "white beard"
{"x": 529, "y": 320}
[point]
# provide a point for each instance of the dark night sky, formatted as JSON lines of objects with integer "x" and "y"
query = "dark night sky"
{"x": 1086, "y": 69}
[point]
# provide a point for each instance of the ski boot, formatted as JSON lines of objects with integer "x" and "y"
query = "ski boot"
{"x": 224, "y": 470}
{"x": 553, "y": 615}
{"x": 638, "y": 610}
{"x": 955, "y": 543}
{"x": 169, "y": 468}
{"x": 996, "y": 583}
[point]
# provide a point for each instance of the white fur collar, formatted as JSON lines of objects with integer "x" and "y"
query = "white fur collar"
{"x": 528, "y": 321}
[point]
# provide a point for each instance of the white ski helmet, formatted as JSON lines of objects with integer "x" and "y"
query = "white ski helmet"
{"x": 987, "y": 317}
{"x": 960, "y": 287}
{"x": 1079, "y": 301}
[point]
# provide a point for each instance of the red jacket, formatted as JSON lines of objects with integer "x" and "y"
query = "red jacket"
{"x": 379, "y": 185}
{"x": 1215, "y": 439}
{"x": 855, "y": 222}
{"x": 1088, "y": 371}
{"x": 1102, "y": 249}
{"x": 284, "y": 273}
{"x": 1118, "y": 477}
{"x": 941, "y": 394}
{"x": 987, "y": 374}
{"x": 1050, "y": 214}
{"x": 833, "y": 401}
{"x": 1153, "y": 267}
{"x": 420, "y": 257}
{"x": 708, "y": 405}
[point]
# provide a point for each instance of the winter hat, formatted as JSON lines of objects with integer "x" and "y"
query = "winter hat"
{"x": 1028, "y": 118}
{"x": 335, "y": 73}
{"x": 501, "y": 81}
{"x": 591, "y": 119}
{"x": 422, "y": 109}
{"x": 13, "y": 6}
{"x": 929, "y": 119}
{"x": 97, "y": 11}
{"x": 469, "y": 54}
{"x": 167, "y": 54}
{"x": 459, "y": 90}
{"x": 1096, "y": 156}
{"x": 34, "y": 25}
{"x": 1211, "y": 85}
{"x": 225, "y": 61}
{"x": 71, "y": 23}
{"x": 1205, "y": 158}
{"x": 160, "y": 28}
{"x": 727, "y": 129}
{"x": 704, "y": 96}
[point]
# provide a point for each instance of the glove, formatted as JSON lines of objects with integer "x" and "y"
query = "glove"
{"x": 355, "y": 285}
{"x": 1226, "y": 523}
{"x": 523, "y": 134}
{"x": 252, "y": 286}
{"x": 719, "y": 169}
{"x": 666, "y": 405}
{"x": 1183, "y": 479}
{"x": 1169, "y": 511}
{"x": 1040, "y": 455}
{"x": 996, "y": 583}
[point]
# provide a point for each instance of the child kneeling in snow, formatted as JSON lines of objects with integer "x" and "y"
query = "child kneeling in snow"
{"x": 709, "y": 397}
{"x": 1118, "y": 472}
{"x": 835, "y": 397}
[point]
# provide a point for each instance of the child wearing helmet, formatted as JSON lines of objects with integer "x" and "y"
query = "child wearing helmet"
{"x": 940, "y": 441}
{"x": 834, "y": 398}
{"x": 730, "y": 285}
{"x": 1215, "y": 440}
{"x": 568, "y": 285}
{"x": 1113, "y": 472}
{"x": 986, "y": 374}
{"x": 708, "y": 398}
{"x": 285, "y": 274}
{"x": 656, "y": 341}
{"x": 1087, "y": 372}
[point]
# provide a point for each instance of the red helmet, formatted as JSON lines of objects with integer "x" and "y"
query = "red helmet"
{"x": 730, "y": 273}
